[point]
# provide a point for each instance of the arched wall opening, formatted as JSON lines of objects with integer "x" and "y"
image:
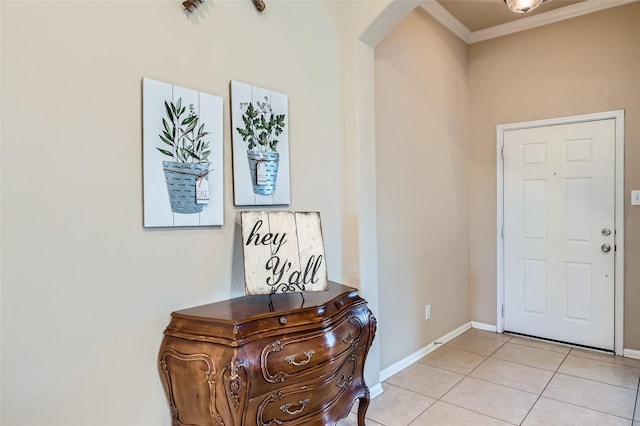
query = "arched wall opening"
{"x": 411, "y": 182}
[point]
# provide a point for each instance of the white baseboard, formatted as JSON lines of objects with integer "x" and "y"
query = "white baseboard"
{"x": 404, "y": 363}
{"x": 375, "y": 390}
{"x": 631, "y": 353}
{"x": 483, "y": 326}
{"x": 452, "y": 334}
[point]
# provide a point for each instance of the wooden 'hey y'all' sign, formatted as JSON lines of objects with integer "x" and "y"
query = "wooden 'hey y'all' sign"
{"x": 283, "y": 252}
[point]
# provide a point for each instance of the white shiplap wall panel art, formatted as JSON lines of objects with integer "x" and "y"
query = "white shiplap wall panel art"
{"x": 182, "y": 156}
{"x": 283, "y": 252}
{"x": 260, "y": 138}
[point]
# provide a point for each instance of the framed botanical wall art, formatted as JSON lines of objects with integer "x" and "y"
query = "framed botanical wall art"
{"x": 182, "y": 156}
{"x": 260, "y": 138}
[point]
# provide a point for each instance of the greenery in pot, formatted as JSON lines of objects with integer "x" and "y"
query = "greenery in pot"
{"x": 261, "y": 126}
{"x": 183, "y": 135}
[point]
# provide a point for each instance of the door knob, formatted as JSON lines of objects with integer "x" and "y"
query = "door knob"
{"x": 606, "y": 248}
{"x": 606, "y": 232}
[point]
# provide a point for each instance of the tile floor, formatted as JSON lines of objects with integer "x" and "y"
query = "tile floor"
{"x": 482, "y": 378}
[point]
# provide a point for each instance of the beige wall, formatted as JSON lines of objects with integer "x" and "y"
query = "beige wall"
{"x": 433, "y": 238}
{"x": 583, "y": 65}
{"x": 86, "y": 291}
{"x": 422, "y": 212}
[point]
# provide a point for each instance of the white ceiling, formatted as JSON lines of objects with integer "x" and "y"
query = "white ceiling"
{"x": 478, "y": 20}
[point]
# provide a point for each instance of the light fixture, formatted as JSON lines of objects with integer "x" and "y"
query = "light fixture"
{"x": 523, "y": 6}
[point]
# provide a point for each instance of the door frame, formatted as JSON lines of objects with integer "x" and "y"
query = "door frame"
{"x": 618, "y": 116}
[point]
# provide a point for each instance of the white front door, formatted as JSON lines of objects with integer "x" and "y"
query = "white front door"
{"x": 559, "y": 232}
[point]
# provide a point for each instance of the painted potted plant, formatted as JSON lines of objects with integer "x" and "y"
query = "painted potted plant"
{"x": 261, "y": 127}
{"x": 183, "y": 141}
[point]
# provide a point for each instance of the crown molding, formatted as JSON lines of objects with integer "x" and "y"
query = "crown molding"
{"x": 445, "y": 18}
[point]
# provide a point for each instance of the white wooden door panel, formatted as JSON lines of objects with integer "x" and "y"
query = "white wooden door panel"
{"x": 559, "y": 195}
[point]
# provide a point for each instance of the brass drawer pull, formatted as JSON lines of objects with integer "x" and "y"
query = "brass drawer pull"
{"x": 348, "y": 339}
{"x": 302, "y": 404}
{"x": 292, "y": 359}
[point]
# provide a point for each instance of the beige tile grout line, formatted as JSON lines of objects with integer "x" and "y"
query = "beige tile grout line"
{"x": 636, "y": 408}
{"x": 547, "y": 385}
{"x": 583, "y": 378}
{"x": 571, "y": 348}
{"x": 465, "y": 376}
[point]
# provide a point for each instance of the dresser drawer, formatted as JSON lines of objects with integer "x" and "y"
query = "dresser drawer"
{"x": 299, "y": 405}
{"x": 297, "y": 356}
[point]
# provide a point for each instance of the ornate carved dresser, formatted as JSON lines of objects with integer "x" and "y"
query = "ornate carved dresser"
{"x": 287, "y": 359}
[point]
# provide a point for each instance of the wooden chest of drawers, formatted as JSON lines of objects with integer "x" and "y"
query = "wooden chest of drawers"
{"x": 268, "y": 360}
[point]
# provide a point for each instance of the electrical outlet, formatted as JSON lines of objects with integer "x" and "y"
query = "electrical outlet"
{"x": 427, "y": 312}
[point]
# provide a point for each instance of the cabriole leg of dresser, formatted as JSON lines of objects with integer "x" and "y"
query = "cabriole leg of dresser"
{"x": 363, "y": 404}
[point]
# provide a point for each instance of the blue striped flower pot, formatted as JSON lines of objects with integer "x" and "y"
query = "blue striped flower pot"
{"x": 181, "y": 185}
{"x": 264, "y": 171}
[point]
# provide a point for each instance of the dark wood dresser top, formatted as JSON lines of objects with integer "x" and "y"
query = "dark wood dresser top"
{"x": 243, "y": 317}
